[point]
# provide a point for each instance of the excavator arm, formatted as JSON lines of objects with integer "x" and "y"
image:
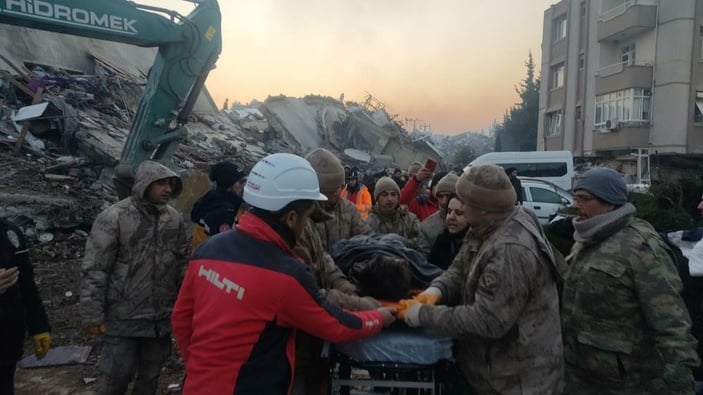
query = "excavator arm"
{"x": 188, "y": 49}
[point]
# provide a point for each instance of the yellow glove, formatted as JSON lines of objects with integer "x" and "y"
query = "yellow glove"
{"x": 42, "y": 343}
{"x": 430, "y": 296}
{"x": 97, "y": 330}
{"x": 405, "y": 304}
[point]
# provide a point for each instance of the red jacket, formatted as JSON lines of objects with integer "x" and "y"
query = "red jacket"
{"x": 422, "y": 206}
{"x": 236, "y": 316}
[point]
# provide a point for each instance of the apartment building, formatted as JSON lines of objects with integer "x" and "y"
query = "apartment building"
{"x": 618, "y": 75}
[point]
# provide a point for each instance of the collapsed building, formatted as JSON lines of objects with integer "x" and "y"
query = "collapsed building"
{"x": 75, "y": 98}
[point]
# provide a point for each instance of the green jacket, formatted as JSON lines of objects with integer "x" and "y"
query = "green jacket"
{"x": 401, "y": 222}
{"x": 625, "y": 327}
{"x": 345, "y": 223}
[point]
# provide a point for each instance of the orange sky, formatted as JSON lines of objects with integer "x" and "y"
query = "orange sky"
{"x": 450, "y": 63}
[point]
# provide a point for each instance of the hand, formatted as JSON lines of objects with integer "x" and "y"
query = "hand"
{"x": 42, "y": 343}
{"x": 97, "y": 330}
{"x": 424, "y": 174}
{"x": 430, "y": 296}
{"x": 405, "y": 304}
{"x": 388, "y": 315}
{"x": 8, "y": 278}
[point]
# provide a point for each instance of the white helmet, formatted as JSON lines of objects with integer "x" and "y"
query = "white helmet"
{"x": 279, "y": 179}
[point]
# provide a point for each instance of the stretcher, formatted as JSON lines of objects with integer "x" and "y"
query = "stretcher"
{"x": 396, "y": 359}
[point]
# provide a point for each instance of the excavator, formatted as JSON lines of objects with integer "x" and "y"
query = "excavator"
{"x": 188, "y": 47}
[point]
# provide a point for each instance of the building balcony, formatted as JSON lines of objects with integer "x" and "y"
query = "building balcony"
{"x": 628, "y": 19}
{"x": 623, "y": 138}
{"x": 623, "y": 76}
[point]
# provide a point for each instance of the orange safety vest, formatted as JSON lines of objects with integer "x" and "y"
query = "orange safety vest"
{"x": 362, "y": 202}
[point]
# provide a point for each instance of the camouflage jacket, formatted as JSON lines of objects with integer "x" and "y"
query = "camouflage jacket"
{"x": 346, "y": 223}
{"x": 134, "y": 260}
{"x": 430, "y": 228}
{"x": 337, "y": 289}
{"x": 502, "y": 307}
{"x": 401, "y": 222}
{"x": 625, "y": 326}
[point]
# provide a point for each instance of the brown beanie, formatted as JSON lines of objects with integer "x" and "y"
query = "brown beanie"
{"x": 447, "y": 184}
{"x": 330, "y": 172}
{"x": 486, "y": 187}
{"x": 414, "y": 168}
{"x": 384, "y": 184}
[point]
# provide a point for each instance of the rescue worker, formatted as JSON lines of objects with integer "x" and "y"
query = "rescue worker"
{"x": 345, "y": 220}
{"x": 413, "y": 193}
{"x": 448, "y": 243}
{"x": 433, "y": 226}
{"x": 135, "y": 258}
{"x": 357, "y": 193}
{"x": 246, "y": 294}
{"x": 21, "y": 307}
{"x": 218, "y": 210}
{"x": 387, "y": 216}
{"x": 626, "y": 329}
{"x": 499, "y": 296}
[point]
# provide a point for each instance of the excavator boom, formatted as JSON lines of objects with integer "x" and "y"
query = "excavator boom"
{"x": 188, "y": 49}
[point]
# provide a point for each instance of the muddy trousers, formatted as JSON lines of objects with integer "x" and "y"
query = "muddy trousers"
{"x": 7, "y": 379}
{"x": 122, "y": 357}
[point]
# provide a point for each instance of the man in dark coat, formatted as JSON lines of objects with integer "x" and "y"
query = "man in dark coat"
{"x": 21, "y": 308}
{"x": 517, "y": 185}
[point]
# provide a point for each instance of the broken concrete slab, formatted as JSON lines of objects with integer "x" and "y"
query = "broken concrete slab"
{"x": 63, "y": 355}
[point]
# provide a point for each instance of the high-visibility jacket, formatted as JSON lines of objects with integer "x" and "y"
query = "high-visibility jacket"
{"x": 361, "y": 199}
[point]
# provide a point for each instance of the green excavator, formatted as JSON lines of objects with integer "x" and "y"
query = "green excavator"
{"x": 188, "y": 47}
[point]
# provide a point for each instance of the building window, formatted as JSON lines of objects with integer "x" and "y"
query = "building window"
{"x": 553, "y": 123}
{"x": 627, "y": 57}
{"x": 559, "y": 28}
{"x": 629, "y": 105}
{"x": 698, "y": 108}
{"x": 557, "y": 73}
{"x": 578, "y": 113}
{"x": 582, "y": 61}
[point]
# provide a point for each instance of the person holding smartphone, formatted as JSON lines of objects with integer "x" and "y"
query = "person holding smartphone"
{"x": 21, "y": 307}
{"x": 423, "y": 205}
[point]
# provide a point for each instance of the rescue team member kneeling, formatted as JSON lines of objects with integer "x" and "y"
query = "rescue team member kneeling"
{"x": 245, "y": 294}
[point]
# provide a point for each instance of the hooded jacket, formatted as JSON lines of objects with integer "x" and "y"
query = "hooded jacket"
{"x": 500, "y": 303}
{"x": 135, "y": 258}
{"x": 216, "y": 211}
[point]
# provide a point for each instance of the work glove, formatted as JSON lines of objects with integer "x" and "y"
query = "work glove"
{"x": 42, "y": 343}
{"x": 430, "y": 296}
{"x": 405, "y": 304}
{"x": 412, "y": 315}
{"x": 97, "y": 330}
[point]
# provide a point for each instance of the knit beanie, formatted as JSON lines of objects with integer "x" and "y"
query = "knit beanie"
{"x": 330, "y": 172}
{"x": 414, "y": 168}
{"x": 225, "y": 174}
{"x": 447, "y": 184}
{"x": 384, "y": 184}
{"x": 486, "y": 187}
{"x": 604, "y": 183}
{"x": 436, "y": 177}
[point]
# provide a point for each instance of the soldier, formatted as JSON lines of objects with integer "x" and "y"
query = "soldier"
{"x": 387, "y": 216}
{"x": 499, "y": 295}
{"x": 134, "y": 261}
{"x": 626, "y": 329}
{"x": 432, "y": 226}
{"x": 346, "y": 221}
{"x": 21, "y": 307}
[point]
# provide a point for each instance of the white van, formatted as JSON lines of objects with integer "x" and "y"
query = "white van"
{"x": 556, "y": 167}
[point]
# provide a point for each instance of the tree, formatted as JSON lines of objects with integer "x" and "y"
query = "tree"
{"x": 518, "y": 132}
{"x": 464, "y": 155}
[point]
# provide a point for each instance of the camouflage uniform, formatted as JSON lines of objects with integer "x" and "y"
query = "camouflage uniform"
{"x": 346, "y": 223}
{"x": 625, "y": 327}
{"x": 310, "y": 368}
{"x": 134, "y": 261}
{"x": 430, "y": 228}
{"x": 503, "y": 309}
{"x": 401, "y": 222}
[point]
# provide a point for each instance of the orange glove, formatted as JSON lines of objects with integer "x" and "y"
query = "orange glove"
{"x": 430, "y": 296}
{"x": 42, "y": 343}
{"x": 97, "y": 330}
{"x": 405, "y": 304}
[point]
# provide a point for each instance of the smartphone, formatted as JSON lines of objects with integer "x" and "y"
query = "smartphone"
{"x": 430, "y": 164}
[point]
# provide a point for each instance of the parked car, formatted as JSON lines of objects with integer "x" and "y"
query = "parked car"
{"x": 544, "y": 198}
